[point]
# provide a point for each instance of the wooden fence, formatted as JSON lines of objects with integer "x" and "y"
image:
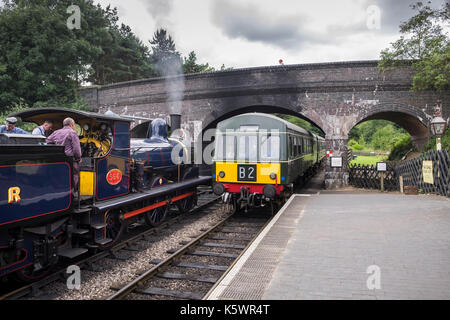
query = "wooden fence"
{"x": 367, "y": 176}
{"x": 412, "y": 172}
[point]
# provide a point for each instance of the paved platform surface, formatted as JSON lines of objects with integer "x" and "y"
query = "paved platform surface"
{"x": 348, "y": 246}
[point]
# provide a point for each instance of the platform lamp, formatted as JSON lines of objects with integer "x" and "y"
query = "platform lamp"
{"x": 438, "y": 126}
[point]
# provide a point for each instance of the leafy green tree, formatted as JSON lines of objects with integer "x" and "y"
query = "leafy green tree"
{"x": 401, "y": 148}
{"x": 386, "y": 137}
{"x": 190, "y": 65}
{"x": 377, "y": 134}
{"x": 44, "y": 62}
{"x": 425, "y": 46}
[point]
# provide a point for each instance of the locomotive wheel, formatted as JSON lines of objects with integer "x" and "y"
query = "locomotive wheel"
{"x": 186, "y": 204}
{"x": 232, "y": 207}
{"x": 114, "y": 227}
{"x": 156, "y": 216}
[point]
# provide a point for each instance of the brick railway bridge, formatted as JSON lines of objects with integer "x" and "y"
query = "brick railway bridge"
{"x": 334, "y": 96}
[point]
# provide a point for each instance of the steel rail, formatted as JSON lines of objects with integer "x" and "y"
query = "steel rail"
{"x": 34, "y": 287}
{"x": 129, "y": 288}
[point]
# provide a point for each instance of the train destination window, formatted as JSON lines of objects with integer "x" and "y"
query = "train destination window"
{"x": 248, "y": 147}
{"x": 270, "y": 147}
{"x": 249, "y": 128}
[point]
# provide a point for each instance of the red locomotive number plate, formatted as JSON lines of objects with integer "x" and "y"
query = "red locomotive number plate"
{"x": 114, "y": 176}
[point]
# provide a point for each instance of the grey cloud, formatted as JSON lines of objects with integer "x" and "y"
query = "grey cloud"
{"x": 251, "y": 23}
{"x": 160, "y": 11}
{"x": 393, "y": 13}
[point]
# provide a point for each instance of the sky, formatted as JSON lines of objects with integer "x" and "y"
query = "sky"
{"x": 250, "y": 33}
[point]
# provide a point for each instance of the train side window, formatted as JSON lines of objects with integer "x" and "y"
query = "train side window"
{"x": 291, "y": 147}
{"x": 295, "y": 146}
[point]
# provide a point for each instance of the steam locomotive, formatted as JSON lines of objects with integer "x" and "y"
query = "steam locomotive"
{"x": 122, "y": 180}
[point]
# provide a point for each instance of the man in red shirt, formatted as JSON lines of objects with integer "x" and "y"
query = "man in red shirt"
{"x": 68, "y": 138}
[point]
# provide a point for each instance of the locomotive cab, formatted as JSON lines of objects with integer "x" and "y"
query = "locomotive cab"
{"x": 104, "y": 142}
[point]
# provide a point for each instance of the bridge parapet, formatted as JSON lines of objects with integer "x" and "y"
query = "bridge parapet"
{"x": 335, "y": 96}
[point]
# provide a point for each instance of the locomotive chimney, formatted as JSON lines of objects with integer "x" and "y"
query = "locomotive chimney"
{"x": 175, "y": 122}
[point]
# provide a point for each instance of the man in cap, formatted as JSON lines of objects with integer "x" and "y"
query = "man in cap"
{"x": 45, "y": 129}
{"x": 10, "y": 127}
{"x": 68, "y": 138}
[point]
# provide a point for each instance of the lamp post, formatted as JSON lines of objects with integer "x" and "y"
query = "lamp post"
{"x": 438, "y": 126}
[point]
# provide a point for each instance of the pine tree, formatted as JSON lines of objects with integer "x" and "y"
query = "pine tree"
{"x": 164, "y": 56}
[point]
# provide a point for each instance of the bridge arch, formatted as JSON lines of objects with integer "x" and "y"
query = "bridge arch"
{"x": 412, "y": 119}
{"x": 211, "y": 120}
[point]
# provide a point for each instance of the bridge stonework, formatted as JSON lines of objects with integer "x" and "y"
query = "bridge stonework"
{"x": 334, "y": 96}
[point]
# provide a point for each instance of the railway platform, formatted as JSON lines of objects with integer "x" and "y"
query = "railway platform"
{"x": 347, "y": 245}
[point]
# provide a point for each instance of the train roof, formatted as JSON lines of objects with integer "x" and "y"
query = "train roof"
{"x": 267, "y": 117}
{"x": 39, "y": 115}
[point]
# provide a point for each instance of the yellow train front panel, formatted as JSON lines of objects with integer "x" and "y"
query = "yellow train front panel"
{"x": 249, "y": 172}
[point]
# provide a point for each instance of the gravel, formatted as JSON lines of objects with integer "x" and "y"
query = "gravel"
{"x": 96, "y": 285}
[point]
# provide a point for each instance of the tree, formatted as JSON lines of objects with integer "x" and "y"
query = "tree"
{"x": 377, "y": 134}
{"x": 38, "y": 51}
{"x": 190, "y": 65}
{"x": 165, "y": 57}
{"x": 43, "y": 62}
{"x": 423, "y": 45}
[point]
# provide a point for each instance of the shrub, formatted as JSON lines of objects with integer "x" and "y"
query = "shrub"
{"x": 357, "y": 146}
{"x": 401, "y": 147}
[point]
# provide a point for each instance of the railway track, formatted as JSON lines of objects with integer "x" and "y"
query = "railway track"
{"x": 206, "y": 202}
{"x": 194, "y": 268}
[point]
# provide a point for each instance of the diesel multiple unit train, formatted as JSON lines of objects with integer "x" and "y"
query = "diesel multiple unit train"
{"x": 122, "y": 181}
{"x": 259, "y": 157}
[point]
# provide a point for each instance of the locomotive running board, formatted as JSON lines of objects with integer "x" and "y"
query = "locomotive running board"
{"x": 104, "y": 205}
